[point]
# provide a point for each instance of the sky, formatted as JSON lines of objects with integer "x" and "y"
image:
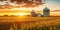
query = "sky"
{"x": 51, "y": 4}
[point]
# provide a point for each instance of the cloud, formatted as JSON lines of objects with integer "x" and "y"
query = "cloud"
{"x": 22, "y": 3}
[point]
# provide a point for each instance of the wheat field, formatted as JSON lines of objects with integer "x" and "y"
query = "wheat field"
{"x": 29, "y": 23}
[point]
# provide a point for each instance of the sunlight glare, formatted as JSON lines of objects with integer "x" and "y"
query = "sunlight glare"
{"x": 22, "y": 14}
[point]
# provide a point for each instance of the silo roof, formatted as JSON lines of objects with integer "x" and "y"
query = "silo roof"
{"x": 46, "y": 8}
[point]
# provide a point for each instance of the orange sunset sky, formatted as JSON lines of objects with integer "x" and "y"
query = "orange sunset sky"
{"x": 53, "y": 5}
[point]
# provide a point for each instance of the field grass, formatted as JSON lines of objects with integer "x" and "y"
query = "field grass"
{"x": 20, "y": 19}
{"x": 30, "y": 23}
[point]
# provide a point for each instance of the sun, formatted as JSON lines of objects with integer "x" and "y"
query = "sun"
{"x": 22, "y": 14}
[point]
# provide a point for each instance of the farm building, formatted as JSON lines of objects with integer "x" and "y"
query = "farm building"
{"x": 38, "y": 14}
{"x": 33, "y": 14}
{"x": 46, "y": 11}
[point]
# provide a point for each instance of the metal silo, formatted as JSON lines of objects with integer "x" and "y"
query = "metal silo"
{"x": 46, "y": 12}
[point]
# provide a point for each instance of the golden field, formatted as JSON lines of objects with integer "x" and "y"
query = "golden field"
{"x": 29, "y": 23}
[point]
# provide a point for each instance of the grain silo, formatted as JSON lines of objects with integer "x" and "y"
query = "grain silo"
{"x": 46, "y": 12}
